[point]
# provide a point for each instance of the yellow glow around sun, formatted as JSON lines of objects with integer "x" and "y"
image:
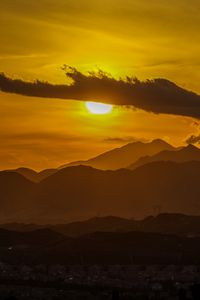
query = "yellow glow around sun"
{"x": 98, "y": 108}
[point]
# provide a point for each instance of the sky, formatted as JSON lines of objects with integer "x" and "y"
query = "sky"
{"x": 136, "y": 38}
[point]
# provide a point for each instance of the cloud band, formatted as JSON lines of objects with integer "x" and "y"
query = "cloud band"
{"x": 157, "y": 95}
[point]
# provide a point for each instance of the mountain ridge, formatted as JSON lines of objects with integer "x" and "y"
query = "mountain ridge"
{"x": 81, "y": 192}
{"x": 188, "y": 153}
{"x": 120, "y": 157}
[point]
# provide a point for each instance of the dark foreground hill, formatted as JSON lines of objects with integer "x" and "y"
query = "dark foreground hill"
{"x": 81, "y": 192}
{"x": 125, "y": 248}
{"x": 107, "y": 248}
{"x": 40, "y": 237}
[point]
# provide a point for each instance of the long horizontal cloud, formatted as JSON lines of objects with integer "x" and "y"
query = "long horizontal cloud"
{"x": 157, "y": 95}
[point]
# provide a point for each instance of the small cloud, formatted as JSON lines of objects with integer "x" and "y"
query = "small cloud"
{"x": 127, "y": 139}
{"x": 193, "y": 139}
{"x": 195, "y": 124}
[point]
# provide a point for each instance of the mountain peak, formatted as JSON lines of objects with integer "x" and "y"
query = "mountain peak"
{"x": 191, "y": 147}
{"x": 159, "y": 142}
{"x": 153, "y": 142}
{"x": 122, "y": 157}
{"x": 188, "y": 153}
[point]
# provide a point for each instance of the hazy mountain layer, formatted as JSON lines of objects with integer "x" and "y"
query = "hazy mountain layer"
{"x": 189, "y": 153}
{"x": 124, "y": 156}
{"x": 165, "y": 223}
{"x": 33, "y": 175}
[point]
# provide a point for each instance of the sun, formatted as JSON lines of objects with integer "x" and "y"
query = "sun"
{"x": 98, "y": 108}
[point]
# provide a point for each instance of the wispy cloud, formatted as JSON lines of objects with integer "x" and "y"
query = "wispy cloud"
{"x": 126, "y": 139}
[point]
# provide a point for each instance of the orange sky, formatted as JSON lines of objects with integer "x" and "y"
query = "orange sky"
{"x": 123, "y": 37}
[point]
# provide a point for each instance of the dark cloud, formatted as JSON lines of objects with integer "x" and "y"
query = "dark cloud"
{"x": 157, "y": 95}
{"x": 193, "y": 139}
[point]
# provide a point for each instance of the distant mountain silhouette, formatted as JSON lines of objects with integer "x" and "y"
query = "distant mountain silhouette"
{"x": 172, "y": 187}
{"x": 104, "y": 224}
{"x": 27, "y": 173}
{"x": 178, "y": 224}
{"x": 189, "y": 153}
{"x": 124, "y": 156}
{"x": 164, "y": 223}
{"x": 111, "y": 160}
{"x": 81, "y": 192}
{"x": 33, "y": 175}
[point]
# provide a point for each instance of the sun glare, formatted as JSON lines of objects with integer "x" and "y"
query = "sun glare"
{"x": 98, "y": 108}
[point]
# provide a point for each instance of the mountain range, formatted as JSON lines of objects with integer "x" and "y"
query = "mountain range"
{"x": 165, "y": 223}
{"x": 32, "y": 175}
{"x": 129, "y": 156}
{"x": 122, "y": 157}
{"x": 76, "y": 193}
{"x": 111, "y": 160}
{"x": 157, "y": 177}
{"x": 189, "y": 153}
{"x": 163, "y": 239}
